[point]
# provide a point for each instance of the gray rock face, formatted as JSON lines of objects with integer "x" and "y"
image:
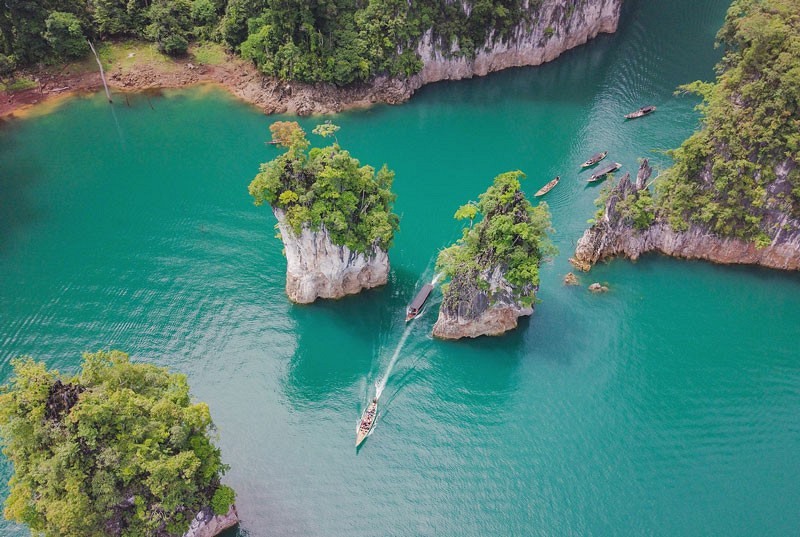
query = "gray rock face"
{"x": 557, "y": 27}
{"x": 317, "y": 268}
{"x": 614, "y": 236}
{"x": 207, "y": 524}
{"x": 478, "y": 312}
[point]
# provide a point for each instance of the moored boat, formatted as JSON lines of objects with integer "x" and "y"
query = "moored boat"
{"x": 601, "y": 173}
{"x": 367, "y": 421}
{"x": 415, "y": 307}
{"x": 594, "y": 159}
{"x": 548, "y": 187}
{"x": 643, "y": 111}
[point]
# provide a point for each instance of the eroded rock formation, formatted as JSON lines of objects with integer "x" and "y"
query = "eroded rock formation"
{"x": 477, "y": 312}
{"x": 615, "y": 235}
{"x": 207, "y": 524}
{"x": 318, "y": 268}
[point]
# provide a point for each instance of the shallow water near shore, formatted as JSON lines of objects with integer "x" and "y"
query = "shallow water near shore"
{"x": 667, "y": 406}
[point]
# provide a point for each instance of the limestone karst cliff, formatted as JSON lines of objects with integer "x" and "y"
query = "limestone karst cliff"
{"x": 318, "y": 268}
{"x": 615, "y": 233}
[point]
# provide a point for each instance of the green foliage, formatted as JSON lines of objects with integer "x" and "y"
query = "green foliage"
{"x": 326, "y": 187}
{"x": 117, "y": 449}
{"x": 638, "y": 208}
{"x": 170, "y": 25}
{"x": 222, "y": 500}
{"x": 65, "y": 35}
{"x": 751, "y": 127}
{"x": 511, "y": 237}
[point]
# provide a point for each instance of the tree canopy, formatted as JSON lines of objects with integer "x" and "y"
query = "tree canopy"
{"x": 336, "y": 41}
{"x": 726, "y": 176}
{"x": 326, "y": 187}
{"x": 117, "y": 449}
{"x": 511, "y": 237}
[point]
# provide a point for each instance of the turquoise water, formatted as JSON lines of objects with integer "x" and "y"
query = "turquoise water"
{"x": 666, "y": 407}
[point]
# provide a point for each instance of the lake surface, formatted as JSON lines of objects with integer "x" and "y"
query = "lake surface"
{"x": 668, "y": 406}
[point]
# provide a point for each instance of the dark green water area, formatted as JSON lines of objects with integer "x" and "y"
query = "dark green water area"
{"x": 668, "y": 406}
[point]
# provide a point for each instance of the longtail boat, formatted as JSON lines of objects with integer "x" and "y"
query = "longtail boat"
{"x": 594, "y": 159}
{"x": 548, "y": 187}
{"x": 367, "y": 421}
{"x": 601, "y": 173}
{"x": 643, "y": 111}
{"x": 415, "y": 307}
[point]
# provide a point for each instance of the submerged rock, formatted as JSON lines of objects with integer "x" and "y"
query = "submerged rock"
{"x": 598, "y": 288}
{"x": 571, "y": 279}
{"x": 318, "y": 268}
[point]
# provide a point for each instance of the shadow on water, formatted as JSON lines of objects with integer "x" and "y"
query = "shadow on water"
{"x": 17, "y": 179}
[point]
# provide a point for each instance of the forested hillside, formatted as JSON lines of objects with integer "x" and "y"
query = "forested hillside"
{"x": 338, "y": 41}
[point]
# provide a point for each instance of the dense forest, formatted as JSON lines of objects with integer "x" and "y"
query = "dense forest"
{"x": 118, "y": 449}
{"x": 739, "y": 176}
{"x": 326, "y": 187}
{"x": 510, "y": 236}
{"x": 337, "y": 41}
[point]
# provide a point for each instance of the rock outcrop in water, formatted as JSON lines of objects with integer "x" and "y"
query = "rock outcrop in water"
{"x": 478, "y": 311}
{"x": 318, "y": 268}
{"x": 494, "y": 268}
{"x": 207, "y": 524}
{"x": 614, "y": 234}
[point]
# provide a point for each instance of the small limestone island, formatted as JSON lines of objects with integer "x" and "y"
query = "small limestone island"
{"x": 733, "y": 192}
{"x": 493, "y": 270}
{"x": 116, "y": 450}
{"x": 334, "y": 215}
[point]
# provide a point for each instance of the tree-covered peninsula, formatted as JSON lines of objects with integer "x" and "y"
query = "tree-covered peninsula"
{"x": 493, "y": 270}
{"x": 733, "y": 192}
{"x": 334, "y": 215}
{"x": 116, "y": 450}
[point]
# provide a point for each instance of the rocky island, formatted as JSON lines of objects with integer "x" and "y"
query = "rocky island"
{"x": 118, "y": 450}
{"x": 733, "y": 193}
{"x": 334, "y": 215}
{"x": 493, "y": 269}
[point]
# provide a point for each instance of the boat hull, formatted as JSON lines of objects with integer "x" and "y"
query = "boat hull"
{"x": 367, "y": 422}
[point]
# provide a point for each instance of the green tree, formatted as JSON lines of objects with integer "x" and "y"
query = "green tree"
{"x": 326, "y": 187}
{"x": 511, "y": 237}
{"x": 118, "y": 449}
{"x": 65, "y": 35}
{"x": 170, "y": 25}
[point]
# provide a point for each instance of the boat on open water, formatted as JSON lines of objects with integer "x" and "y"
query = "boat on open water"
{"x": 367, "y": 421}
{"x": 643, "y": 111}
{"x": 594, "y": 159}
{"x": 601, "y": 173}
{"x": 415, "y": 308}
{"x": 548, "y": 187}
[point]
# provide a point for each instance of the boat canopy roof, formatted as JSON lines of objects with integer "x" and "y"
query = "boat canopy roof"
{"x": 421, "y": 297}
{"x": 606, "y": 169}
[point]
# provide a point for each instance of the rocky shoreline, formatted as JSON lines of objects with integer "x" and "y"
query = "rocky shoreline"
{"x": 614, "y": 235}
{"x": 554, "y": 31}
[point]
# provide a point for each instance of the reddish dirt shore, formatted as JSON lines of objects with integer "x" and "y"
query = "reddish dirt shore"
{"x": 235, "y": 75}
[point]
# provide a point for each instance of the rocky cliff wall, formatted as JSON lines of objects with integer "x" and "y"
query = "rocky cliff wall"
{"x": 557, "y": 26}
{"x": 614, "y": 235}
{"x": 317, "y": 268}
{"x": 207, "y": 524}
{"x": 473, "y": 312}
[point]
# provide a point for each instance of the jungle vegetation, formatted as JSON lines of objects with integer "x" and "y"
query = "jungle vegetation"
{"x": 118, "y": 449}
{"x": 505, "y": 233}
{"x": 741, "y": 169}
{"x": 336, "y": 41}
{"x": 326, "y": 187}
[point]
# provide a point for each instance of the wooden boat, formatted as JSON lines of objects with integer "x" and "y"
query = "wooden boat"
{"x": 367, "y": 421}
{"x": 415, "y": 307}
{"x": 601, "y": 173}
{"x": 594, "y": 159}
{"x": 548, "y": 187}
{"x": 643, "y": 111}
